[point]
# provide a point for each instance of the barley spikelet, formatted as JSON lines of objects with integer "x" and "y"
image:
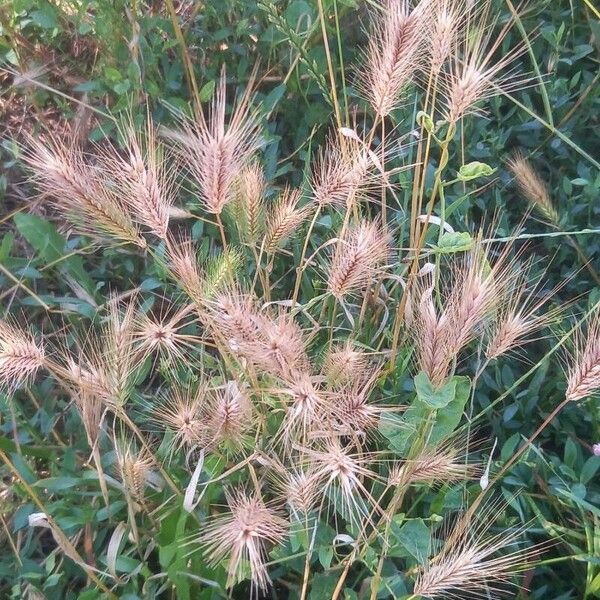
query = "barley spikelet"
{"x": 441, "y": 464}
{"x": 473, "y": 562}
{"x": 479, "y": 287}
{"x": 162, "y": 333}
{"x": 431, "y": 336}
{"x": 344, "y": 474}
{"x": 444, "y": 29}
{"x": 341, "y": 172}
{"x": 215, "y": 151}
{"x": 343, "y": 364}
{"x": 533, "y": 188}
{"x": 357, "y": 258}
{"x": 79, "y": 191}
{"x": 143, "y": 180}
{"x": 133, "y": 467}
{"x": 584, "y": 371}
{"x": 284, "y": 219}
{"x": 394, "y": 53}
{"x": 477, "y": 71}
{"x": 20, "y": 356}
{"x": 228, "y": 415}
{"x": 242, "y": 537}
{"x": 249, "y": 207}
{"x": 521, "y": 316}
{"x": 183, "y": 264}
{"x": 182, "y": 412}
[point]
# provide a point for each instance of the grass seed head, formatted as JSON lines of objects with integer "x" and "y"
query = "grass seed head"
{"x": 584, "y": 370}
{"x": 21, "y": 356}
{"x": 356, "y": 258}
{"x": 243, "y": 535}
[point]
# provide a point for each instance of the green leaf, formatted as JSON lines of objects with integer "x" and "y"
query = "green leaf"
{"x": 413, "y": 539}
{"x": 457, "y": 241}
{"x": 45, "y": 17}
{"x": 42, "y": 235}
{"x": 207, "y": 91}
{"x": 57, "y": 484}
{"x": 425, "y": 121}
{"x": 322, "y": 586}
{"x": 473, "y": 170}
{"x": 435, "y": 398}
{"x": 400, "y": 430}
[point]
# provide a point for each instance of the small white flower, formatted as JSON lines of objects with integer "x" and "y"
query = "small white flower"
{"x": 596, "y": 449}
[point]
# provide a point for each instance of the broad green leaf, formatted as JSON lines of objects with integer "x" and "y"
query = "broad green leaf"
{"x": 436, "y": 398}
{"x": 457, "y": 241}
{"x": 42, "y": 236}
{"x": 413, "y": 539}
{"x": 473, "y": 170}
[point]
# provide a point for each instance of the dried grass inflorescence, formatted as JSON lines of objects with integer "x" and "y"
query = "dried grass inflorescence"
{"x": 342, "y": 171}
{"x": 476, "y": 288}
{"x": 533, "y": 188}
{"x": 142, "y": 179}
{"x": 284, "y": 219}
{"x": 357, "y": 257}
{"x": 243, "y": 536}
{"x": 249, "y": 205}
{"x": 80, "y": 190}
{"x": 216, "y": 149}
{"x": 395, "y": 52}
{"x": 473, "y": 561}
{"x": 584, "y": 371}
{"x": 478, "y": 70}
{"x": 21, "y": 357}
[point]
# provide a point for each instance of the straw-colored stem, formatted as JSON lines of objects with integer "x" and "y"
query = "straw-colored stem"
{"x": 221, "y": 231}
{"x": 300, "y": 268}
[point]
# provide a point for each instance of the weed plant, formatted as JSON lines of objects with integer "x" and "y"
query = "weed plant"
{"x": 294, "y": 414}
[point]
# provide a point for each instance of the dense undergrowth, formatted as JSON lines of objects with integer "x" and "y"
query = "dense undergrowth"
{"x": 299, "y": 300}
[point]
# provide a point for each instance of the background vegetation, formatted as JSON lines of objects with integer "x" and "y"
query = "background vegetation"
{"x": 67, "y": 63}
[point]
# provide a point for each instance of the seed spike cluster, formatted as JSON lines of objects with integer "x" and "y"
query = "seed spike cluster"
{"x": 241, "y": 536}
{"x": 230, "y": 370}
{"x": 80, "y": 191}
{"x": 477, "y": 71}
{"x": 143, "y": 181}
{"x": 215, "y": 150}
{"x": 478, "y": 286}
{"x": 584, "y": 371}
{"x": 396, "y": 39}
{"x": 532, "y": 186}
{"x": 357, "y": 257}
{"x": 474, "y": 562}
{"x": 286, "y": 216}
{"x": 21, "y": 357}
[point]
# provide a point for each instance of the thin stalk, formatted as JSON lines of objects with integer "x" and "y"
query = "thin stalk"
{"x": 300, "y": 269}
{"x": 334, "y": 98}
{"x": 221, "y": 231}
